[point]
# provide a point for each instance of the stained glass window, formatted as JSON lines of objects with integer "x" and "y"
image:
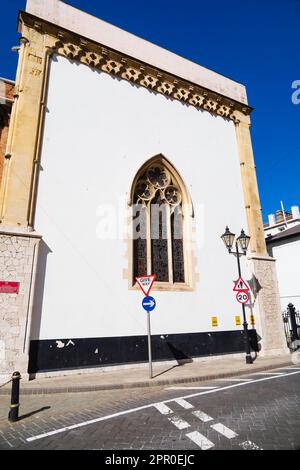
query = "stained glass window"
{"x": 158, "y": 226}
{"x": 159, "y": 239}
{"x": 177, "y": 246}
{"x": 140, "y": 241}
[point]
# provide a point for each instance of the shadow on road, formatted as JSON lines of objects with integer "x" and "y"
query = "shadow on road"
{"x": 27, "y": 415}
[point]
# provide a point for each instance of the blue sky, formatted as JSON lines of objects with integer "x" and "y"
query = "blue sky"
{"x": 255, "y": 42}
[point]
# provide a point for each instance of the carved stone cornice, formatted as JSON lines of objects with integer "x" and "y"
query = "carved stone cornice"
{"x": 74, "y": 47}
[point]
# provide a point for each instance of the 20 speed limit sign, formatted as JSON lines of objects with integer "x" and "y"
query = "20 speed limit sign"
{"x": 242, "y": 297}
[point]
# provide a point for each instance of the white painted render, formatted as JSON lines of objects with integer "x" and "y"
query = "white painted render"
{"x": 281, "y": 227}
{"x": 288, "y": 272}
{"x": 99, "y": 130}
{"x": 88, "y": 26}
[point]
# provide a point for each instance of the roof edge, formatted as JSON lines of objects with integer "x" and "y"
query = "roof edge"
{"x": 84, "y": 24}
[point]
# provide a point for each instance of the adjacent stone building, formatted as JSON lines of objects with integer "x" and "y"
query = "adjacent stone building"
{"x": 107, "y": 127}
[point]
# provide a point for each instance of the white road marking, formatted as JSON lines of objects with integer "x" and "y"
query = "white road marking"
{"x": 185, "y": 404}
{"x": 179, "y": 423}
{"x": 200, "y": 440}
{"x": 92, "y": 421}
{"x": 150, "y": 405}
{"x": 234, "y": 380}
{"x": 163, "y": 409}
{"x": 203, "y": 416}
{"x": 224, "y": 430}
{"x": 190, "y": 388}
{"x": 248, "y": 445}
{"x": 267, "y": 373}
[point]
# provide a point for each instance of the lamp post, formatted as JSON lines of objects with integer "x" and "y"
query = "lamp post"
{"x": 242, "y": 241}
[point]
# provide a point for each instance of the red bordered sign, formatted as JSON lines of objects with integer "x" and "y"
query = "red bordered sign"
{"x": 8, "y": 287}
{"x": 243, "y": 297}
{"x": 241, "y": 286}
{"x": 146, "y": 283}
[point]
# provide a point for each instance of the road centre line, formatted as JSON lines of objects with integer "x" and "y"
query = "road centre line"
{"x": 179, "y": 423}
{"x": 268, "y": 373}
{"x": 202, "y": 416}
{"x": 190, "y": 388}
{"x": 200, "y": 440}
{"x": 185, "y": 404}
{"x": 220, "y": 428}
{"x": 144, "y": 407}
{"x": 163, "y": 409}
{"x": 233, "y": 380}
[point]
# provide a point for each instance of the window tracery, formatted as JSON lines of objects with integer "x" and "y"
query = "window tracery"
{"x": 158, "y": 217}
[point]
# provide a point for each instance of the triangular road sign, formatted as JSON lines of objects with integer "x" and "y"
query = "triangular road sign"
{"x": 146, "y": 283}
{"x": 241, "y": 285}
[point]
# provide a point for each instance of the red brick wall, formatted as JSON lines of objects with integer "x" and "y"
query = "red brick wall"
{"x": 5, "y": 110}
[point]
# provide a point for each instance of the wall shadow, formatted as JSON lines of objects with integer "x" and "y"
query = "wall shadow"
{"x": 178, "y": 354}
{"x": 38, "y": 298}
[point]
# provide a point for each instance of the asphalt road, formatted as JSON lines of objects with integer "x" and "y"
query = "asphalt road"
{"x": 255, "y": 411}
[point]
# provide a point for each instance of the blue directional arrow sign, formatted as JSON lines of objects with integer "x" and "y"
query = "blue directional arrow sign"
{"x": 149, "y": 303}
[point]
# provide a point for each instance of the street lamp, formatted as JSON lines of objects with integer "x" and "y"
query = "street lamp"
{"x": 243, "y": 241}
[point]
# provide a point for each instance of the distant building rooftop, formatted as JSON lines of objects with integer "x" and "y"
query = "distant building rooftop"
{"x": 281, "y": 222}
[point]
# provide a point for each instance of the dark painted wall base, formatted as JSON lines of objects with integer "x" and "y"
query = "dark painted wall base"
{"x": 51, "y": 355}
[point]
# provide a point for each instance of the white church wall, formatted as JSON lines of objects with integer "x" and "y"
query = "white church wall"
{"x": 98, "y": 132}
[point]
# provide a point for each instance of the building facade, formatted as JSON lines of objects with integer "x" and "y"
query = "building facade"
{"x": 283, "y": 244}
{"x": 107, "y": 129}
{"x": 281, "y": 221}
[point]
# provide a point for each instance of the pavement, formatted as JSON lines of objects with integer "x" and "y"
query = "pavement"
{"x": 257, "y": 410}
{"x": 198, "y": 370}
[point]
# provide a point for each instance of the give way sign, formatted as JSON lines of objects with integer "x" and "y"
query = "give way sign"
{"x": 146, "y": 283}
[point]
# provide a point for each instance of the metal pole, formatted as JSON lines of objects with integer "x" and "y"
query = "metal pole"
{"x": 149, "y": 345}
{"x": 245, "y": 324}
{"x": 15, "y": 392}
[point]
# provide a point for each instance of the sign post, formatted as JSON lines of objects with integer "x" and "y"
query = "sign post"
{"x": 242, "y": 296}
{"x": 149, "y": 346}
{"x": 148, "y": 304}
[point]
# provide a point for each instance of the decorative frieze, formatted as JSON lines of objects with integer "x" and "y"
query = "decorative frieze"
{"x": 117, "y": 64}
{"x": 142, "y": 75}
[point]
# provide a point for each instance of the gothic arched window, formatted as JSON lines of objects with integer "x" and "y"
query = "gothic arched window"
{"x": 158, "y": 200}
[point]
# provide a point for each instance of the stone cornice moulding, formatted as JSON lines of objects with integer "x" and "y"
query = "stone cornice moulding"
{"x": 10, "y": 232}
{"x": 257, "y": 256}
{"x": 74, "y": 47}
